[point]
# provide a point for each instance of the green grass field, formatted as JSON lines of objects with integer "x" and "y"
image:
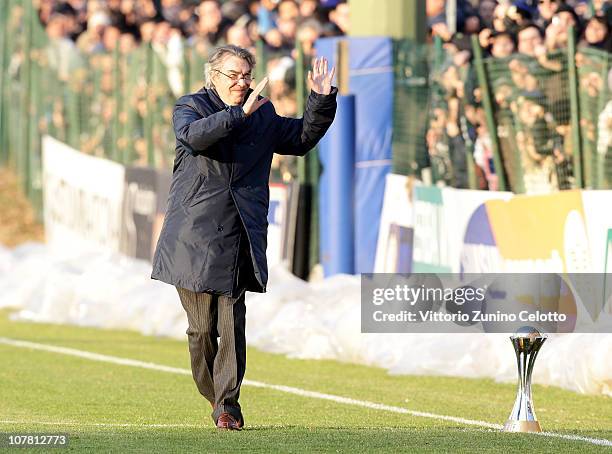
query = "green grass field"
{"x": 120, "y": 408}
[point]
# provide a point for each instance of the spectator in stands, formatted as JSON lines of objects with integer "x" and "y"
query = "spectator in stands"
{"x": 472, "y": 24}
{"x": 497, "y": 44}
{"x": 211, "y": 26}
{"x": 559, "y": 28}
{"x": 287, "y": 28}
{"x": 146, "y": 11}
{"x": 503, "y": 45}
{"x": 597, "y": 34}
{"x": 604, "y": 139}
{"x": 440, "y": 28}
{"x": 238, "y": 35}
{"x": 130, "y": 16}
{"x": 111, "y": 38}
{"x": 339, "y": 19}
{"x": 147, "y": 30}
{"x": 499, "y": 15}
{"x": 266, "y": 16}
{"x": 535, "y": 31}
{"x": 309, "y": 9}
{"x": 281, "y": 76}
{"x": 171, "y": 10}
{"x": 127, "y": 43}
{"x": 486, "y": 10}
{"x": 450, "y": 154}
{"x": 71, "y": 23}
{"x": 546, "y": 11}
{"x": 517, "y": 15}
{"x": 288, "y": 9}
{"x": 62, "y": 54}
{"x": 530, "y": 40}
{"x": 308, "y": 32}
{"x": 90, "y": 42}
{"x": 534, "y": 143}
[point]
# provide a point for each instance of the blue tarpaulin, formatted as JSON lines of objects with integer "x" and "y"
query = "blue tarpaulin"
{"x": 371, "y": 82}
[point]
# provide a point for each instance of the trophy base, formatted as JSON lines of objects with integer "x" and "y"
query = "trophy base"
{"x": 522, "y": 426}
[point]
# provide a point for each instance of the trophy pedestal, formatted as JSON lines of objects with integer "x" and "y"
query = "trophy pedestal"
{"x": 522, "y": 426}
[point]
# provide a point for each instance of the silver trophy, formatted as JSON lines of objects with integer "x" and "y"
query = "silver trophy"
{"x": 527, "y": 342}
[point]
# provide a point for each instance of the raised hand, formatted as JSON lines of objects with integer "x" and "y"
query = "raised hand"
{"x": 320, "y": 79}
{"x": 252, "y": 103}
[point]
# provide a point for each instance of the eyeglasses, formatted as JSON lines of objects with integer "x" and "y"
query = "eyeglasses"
{"x": 236, "y": 77}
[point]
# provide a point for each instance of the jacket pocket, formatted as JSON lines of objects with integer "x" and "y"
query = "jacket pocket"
{"x": 198, "y": 182}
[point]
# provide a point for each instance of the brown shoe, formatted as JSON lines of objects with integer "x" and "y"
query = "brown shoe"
{"x": 227, "y": 421}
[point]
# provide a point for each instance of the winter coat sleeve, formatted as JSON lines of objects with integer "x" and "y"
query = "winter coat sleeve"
{"x": 297, "y": 136}
{"x": 197, "y": 133}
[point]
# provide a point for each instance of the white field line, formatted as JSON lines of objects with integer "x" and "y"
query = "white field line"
{"x": 98, "y": 424}
{"x": 286, "y": 389}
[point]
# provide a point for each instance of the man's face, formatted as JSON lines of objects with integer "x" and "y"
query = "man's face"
{"x": 307, "y": 36}
{"x": 528, "y": 40}
{"x": 341, "y": 17}
{"x": 111, "y": 36}
{"x": 238, "y": 36}
{"x": 162, "y": 33}
{"x": 288, "y": 10}
{"x": 595, "y": 32}
{"x": 486, "y": 9}
{"x": 232, "y": 80}
{"x": 564, "y": 19}
{"x": 56, "y": 27}
{"x": 547, "y": 8}
{"x": 308, "y": 7}
{"x": 147, "y": 30}
{"x": 210, "y": 14}
{"x": 498, "y": 17}
{"x": 287, "y": 27}
{"x": 503, "y": 46}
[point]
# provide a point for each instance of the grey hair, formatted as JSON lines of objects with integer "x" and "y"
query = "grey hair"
{"x": 220, "y": 54}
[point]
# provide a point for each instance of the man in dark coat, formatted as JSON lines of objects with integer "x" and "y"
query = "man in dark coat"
{"x": 212, "y": 246}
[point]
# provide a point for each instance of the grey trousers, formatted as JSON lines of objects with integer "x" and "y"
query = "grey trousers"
{"x": 217, "y": 346}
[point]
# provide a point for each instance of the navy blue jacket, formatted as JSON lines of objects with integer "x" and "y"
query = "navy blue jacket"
{"x": 220, "y": 181}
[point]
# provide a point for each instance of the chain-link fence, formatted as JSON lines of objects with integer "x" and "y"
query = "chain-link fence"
{"x": 593, "y": 69}
{"x": 530, "y": 125}
{"x": 411, "y": 101}
{"x": 531, "y": 108}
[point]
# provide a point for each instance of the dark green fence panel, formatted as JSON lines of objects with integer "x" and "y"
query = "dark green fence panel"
{"x": 412, "y": 96}
{"x": 593, "y": 66}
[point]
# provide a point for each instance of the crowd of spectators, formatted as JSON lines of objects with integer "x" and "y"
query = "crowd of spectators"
{"x": 81, "y": 28}
{"x": 89, "y": 34}
{"x": 525, "y": 42}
